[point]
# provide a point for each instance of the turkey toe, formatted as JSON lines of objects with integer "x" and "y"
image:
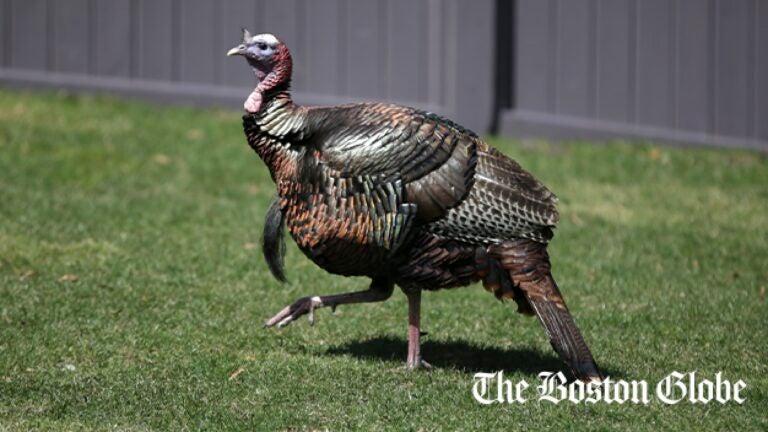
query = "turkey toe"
{"x": 302, "y": 306}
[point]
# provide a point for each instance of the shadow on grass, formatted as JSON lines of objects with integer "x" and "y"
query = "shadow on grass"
{"x": 459, "y": 355}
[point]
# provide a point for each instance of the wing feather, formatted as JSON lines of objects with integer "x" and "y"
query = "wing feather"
{"x": 461, "y": 187}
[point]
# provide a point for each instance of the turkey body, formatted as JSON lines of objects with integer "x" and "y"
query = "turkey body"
{"x": 409, "y": 198}
{"x": 375, "y": 189}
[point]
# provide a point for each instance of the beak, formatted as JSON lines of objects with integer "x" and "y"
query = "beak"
{"x": 238, "y": 50}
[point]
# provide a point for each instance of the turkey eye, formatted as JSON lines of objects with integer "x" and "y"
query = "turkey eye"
{"x": 262, "y": 46}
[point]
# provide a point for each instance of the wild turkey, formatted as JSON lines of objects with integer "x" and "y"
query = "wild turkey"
{"x": 404, "y": 197}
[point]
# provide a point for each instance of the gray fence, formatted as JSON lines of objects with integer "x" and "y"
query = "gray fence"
{"x": 692, "y": 71}
{"x": 174, "y": 50}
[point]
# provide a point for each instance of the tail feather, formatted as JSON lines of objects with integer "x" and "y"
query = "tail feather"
{"x": 273, "y": 242}
{"x": 563, "y": 334}
{"x": 526, "y": 263}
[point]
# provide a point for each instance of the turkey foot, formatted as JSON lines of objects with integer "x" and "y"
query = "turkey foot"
{"x": 302, "y": 306}
{"x": 418, "y": 364}
{"x": 380, "y": 290}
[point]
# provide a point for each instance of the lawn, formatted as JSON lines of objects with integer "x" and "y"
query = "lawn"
{"x": 133, "y": 292}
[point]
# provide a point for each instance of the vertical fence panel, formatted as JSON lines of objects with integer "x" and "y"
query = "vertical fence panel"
{"x": 113, "y": 43}
{"x": 324, "y": 34}
{"x": 155, "y": 39}
{"x": 474, "y": 32}
{"x": 5, "y": 31}
{"x": 653, "y": 68}
{"x": 435, "y": 55}
{"x": 573, "y": 72}
{"x": 405, "y": 59}
{"x": 534, "y": 57}
{"x": 197, "y": 40}
{"x": 29, "y": 34}
{"x": 235, "y": 14}
{"x": 761, "y": 71}
{"x": 70, "y": 40}
{"x": 613, "y": 60}
{"x": 693, "y": 72}
{"x": 732, "y": 68}
{"x": 364, "y": 63}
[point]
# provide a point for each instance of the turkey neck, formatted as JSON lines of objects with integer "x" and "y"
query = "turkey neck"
{"x": 273, "y": 130}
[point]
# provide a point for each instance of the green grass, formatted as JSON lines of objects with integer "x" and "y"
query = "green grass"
{"x": 662, "y": 255}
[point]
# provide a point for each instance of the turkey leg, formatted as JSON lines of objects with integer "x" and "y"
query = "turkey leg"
{"x": 380, "y": 290}
{"x": 414, "y": 360}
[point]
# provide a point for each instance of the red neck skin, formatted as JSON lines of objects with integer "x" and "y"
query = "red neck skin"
{"x": 273, "y": 78}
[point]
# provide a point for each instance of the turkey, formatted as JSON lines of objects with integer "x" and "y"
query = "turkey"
{"x": 404, "y": 197}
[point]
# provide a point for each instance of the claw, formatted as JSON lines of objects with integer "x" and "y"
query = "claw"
{"x": 305, "y": 305}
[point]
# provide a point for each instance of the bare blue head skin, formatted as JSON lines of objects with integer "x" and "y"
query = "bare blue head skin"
{"x": 271, "y": 62}
{"x": 259, "y": 50}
